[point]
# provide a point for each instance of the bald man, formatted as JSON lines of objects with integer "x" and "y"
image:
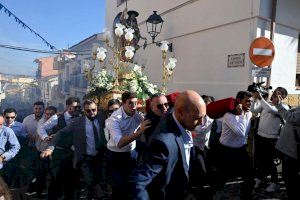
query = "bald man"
{"x": 165, "y": 173}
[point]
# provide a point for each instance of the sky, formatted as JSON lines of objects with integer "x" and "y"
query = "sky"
{"x": 62, "y": 23}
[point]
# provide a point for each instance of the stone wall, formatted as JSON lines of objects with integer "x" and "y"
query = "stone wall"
{"x": 293, "y": 100}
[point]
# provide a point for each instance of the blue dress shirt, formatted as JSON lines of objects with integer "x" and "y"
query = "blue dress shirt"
{"x": 7, "y": 135}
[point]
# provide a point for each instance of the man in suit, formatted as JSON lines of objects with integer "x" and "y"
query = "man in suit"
{"x": 62, "y": 157}
{"x": 164, "y": 175}
{"x": 86, "y": 135}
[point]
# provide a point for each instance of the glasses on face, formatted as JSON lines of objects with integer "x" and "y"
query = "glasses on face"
{"x": 49, "y": 114}
{"x": 112, "y": 110}
{"x": 161, "y": 106}
{"x": 10, "y": 117}
{"x": 132, "y": 103}
{"x": 77, "y": 107}
{"x": 90, "y": 110}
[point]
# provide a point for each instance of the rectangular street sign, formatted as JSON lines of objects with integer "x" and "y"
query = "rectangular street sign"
{"x": 236, "y": 60}
{"x": 261, "y": 72}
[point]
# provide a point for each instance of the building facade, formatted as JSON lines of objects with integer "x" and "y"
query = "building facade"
{"x": 71, "y": 78}
{"x": 47, "y": 78}
{"x": 206, "y": 34}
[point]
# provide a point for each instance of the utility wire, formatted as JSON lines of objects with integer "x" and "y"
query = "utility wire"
{"x": 40, "y": 50}
{"x": 9, "y": 13}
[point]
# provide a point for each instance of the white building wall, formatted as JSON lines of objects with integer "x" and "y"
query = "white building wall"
{"x": 204, "y": 33}
{"x": 286, "y": 42}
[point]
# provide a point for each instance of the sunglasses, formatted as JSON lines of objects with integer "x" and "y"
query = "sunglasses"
{"x": 76, "y": 107}
{"x": 161, "y": 106}
{"x": 112, "y": 110}
{"x": 132, "y": 103}
{"x": 90, "y": 110}
{"x": 12, "y": 117}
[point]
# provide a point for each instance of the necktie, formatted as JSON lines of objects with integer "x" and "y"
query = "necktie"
{"x": 96, "y": 137}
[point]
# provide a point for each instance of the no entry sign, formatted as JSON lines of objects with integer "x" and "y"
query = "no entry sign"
{"x": 262, "y": 52}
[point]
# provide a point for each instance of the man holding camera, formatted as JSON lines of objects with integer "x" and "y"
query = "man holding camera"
{"x": 267, "y": 134}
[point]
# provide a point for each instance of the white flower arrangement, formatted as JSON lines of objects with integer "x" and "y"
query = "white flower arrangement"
{"x": 129, "y": 53}
{"x": 101, "y": 53}
{"x": 139, "y": 84}
{"x": 101, "y": 83}
{"x": 129, "y": 34}
{"x": 164, "y": 45}
{"x": 119, "y": 31}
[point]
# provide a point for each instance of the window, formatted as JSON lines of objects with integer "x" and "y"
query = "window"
{"x": 120, "y": 2}
{"x": 298, "y": 66}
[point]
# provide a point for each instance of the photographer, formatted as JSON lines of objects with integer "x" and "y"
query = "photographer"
{"x": 288, "y": 145}
{"x": 268, "y": 132}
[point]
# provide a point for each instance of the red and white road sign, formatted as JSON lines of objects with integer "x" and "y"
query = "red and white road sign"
{"x": 262, "y": 52}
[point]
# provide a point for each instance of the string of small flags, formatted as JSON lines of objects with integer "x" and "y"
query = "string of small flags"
{"x": 25, "y": 26}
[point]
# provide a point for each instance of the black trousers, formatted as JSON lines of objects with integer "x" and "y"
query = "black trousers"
{"x": 63, "y": 179}
{"x": 121, "y": 165}
{"x": 235, "y": 162}
{"x": 200, "y": 174}
{"x": 264, "y": 156}
{"x": 92, "y": 170}
{"x": 290, "y": 172}
{"x": 43, "y": 168}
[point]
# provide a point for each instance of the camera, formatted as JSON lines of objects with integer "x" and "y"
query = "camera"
{"x": 257, "y": 87}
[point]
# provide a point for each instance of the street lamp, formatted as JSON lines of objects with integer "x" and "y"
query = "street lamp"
{"x": 154, "y": 25}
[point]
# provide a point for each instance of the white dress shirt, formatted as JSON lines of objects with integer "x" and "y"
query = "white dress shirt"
{"x": 51, "y": 123}
{"x": 30, "y": 123}
{"x": 120, "y": 124}
{"x": 270, "y": 123}
{"x": 90, "y": 139}
{"x": 187, "y": 140}
{"x": 235, "y": 129}
{"x": 202, "y": 133}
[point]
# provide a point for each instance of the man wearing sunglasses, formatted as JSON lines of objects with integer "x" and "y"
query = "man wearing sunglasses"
{"x": 12, "y": 176}
{"x": 158, "y": 108}
{"x": 61, "y": 163}
{"x": 125, "y": 125}
{"x": 9, "y": 145}
{"x": 10, "y": 115}
{"x": 86, "y": 134}
{"x": 164, "y": 175}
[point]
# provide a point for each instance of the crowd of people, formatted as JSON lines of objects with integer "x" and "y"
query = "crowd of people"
{"x": 168, "y": 149}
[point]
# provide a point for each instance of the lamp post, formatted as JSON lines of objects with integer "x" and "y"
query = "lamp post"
{"x": 154, "y": 25}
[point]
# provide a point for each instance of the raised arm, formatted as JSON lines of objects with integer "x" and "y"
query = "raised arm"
{"x": 237, "y": 123}
{"x": 49, "y": 124}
